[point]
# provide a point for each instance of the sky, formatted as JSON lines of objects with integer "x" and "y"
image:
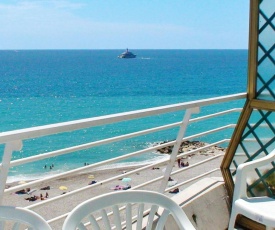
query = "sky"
{"x": 118, "y": 24}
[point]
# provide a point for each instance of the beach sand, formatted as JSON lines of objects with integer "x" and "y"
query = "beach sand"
{"x": 54, "y": 207}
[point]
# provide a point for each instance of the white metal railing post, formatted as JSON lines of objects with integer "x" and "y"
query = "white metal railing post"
{"x": 4, "y": 168}
{"x": 176, "y": 147}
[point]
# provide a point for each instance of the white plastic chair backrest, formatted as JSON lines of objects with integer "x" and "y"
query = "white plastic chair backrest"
{"x": 240, "y": 190}
{"x": 20, "y": 217}
{"x": 75, "y": 219}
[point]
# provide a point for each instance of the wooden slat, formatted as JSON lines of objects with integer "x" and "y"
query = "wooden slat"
{"x": 232, "y": 147}
{"x": 253, "y": 49}
{"x": 263, "y": 105}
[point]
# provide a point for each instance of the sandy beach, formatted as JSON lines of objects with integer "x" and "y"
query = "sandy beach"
{"x": 70, "y": 198}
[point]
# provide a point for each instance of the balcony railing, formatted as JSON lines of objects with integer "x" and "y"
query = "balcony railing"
{"x": 143, "y": 142}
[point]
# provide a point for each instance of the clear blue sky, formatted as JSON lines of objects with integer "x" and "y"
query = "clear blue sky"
{"x": 117, "y": 24}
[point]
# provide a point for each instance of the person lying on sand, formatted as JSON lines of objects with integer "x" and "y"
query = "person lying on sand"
{"x": 184, "y": 164}
{"x": 176, "y": 190}
{"x": 127, "y": 187}
{"x": 121, "y": 187}
{"x": 92, "y": 182}
{"x": 23, "y": 191}
{"x": 32, "y": 198}
{"x": 46, "y": 188}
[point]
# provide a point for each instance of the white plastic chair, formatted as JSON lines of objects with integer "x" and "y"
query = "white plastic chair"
{"x": 142, "y": 198}
{"x": 259, "y": 209}
{"x": 16, "y": 218}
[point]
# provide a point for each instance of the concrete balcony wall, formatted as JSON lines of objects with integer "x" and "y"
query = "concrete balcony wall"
{"x": 205, "y": 203}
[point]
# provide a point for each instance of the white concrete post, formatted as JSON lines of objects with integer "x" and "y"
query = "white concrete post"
{"x": 176, "y": 147}
{"x": 4, "y": 167}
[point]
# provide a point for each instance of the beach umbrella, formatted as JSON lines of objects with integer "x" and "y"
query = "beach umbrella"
{"x": 126, "y": 179}
{"x": 63, "y": 188}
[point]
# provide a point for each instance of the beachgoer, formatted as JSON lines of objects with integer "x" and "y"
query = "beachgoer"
{"x": 32, "y": 198}
{"x": 92, "y": 182}
{"x": 176, "y": 190}
{"x": 47, "y": 195}
{"x": 117, "y": 187}
{"x": 127, "y": 187}
{"x": 46, "y": 188}
{"x": 179, "y": 161}
{"x": 23, "y": 191}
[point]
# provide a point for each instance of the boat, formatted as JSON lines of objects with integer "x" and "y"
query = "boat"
{"x": 127, "y": 54}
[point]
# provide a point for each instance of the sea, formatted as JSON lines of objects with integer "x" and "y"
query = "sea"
{"x": 40, "y": 87}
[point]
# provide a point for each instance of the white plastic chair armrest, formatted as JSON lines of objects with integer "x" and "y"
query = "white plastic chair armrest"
{"x": 242, "y": 171}
{"x": 22, "y": 215}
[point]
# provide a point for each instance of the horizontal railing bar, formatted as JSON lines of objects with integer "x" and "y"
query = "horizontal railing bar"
{"x": 96, "y": 165}
{"x": 193, "y": 151}
{"x": 215, "y": 115}
{"x": 192, "y": 179}
{"x": 208, "y": 132}
{"x": 176, "y": 172}
{"x": 179, "y": 156}
{"x": 92, "y": 166}
{"x": 63, "y": 216}
{"x": 196, "y": 164}
{"x": 90, "y": 145}
{"x": 193, "y": 166}
{"x": 102, "y": 142}
{"x": 39, "y": 131}
{"x": 97, "y": 219}
{"x": 253, "y": 140}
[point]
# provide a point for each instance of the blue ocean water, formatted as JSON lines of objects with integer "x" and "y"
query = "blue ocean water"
{"x": 40, "y": 87}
